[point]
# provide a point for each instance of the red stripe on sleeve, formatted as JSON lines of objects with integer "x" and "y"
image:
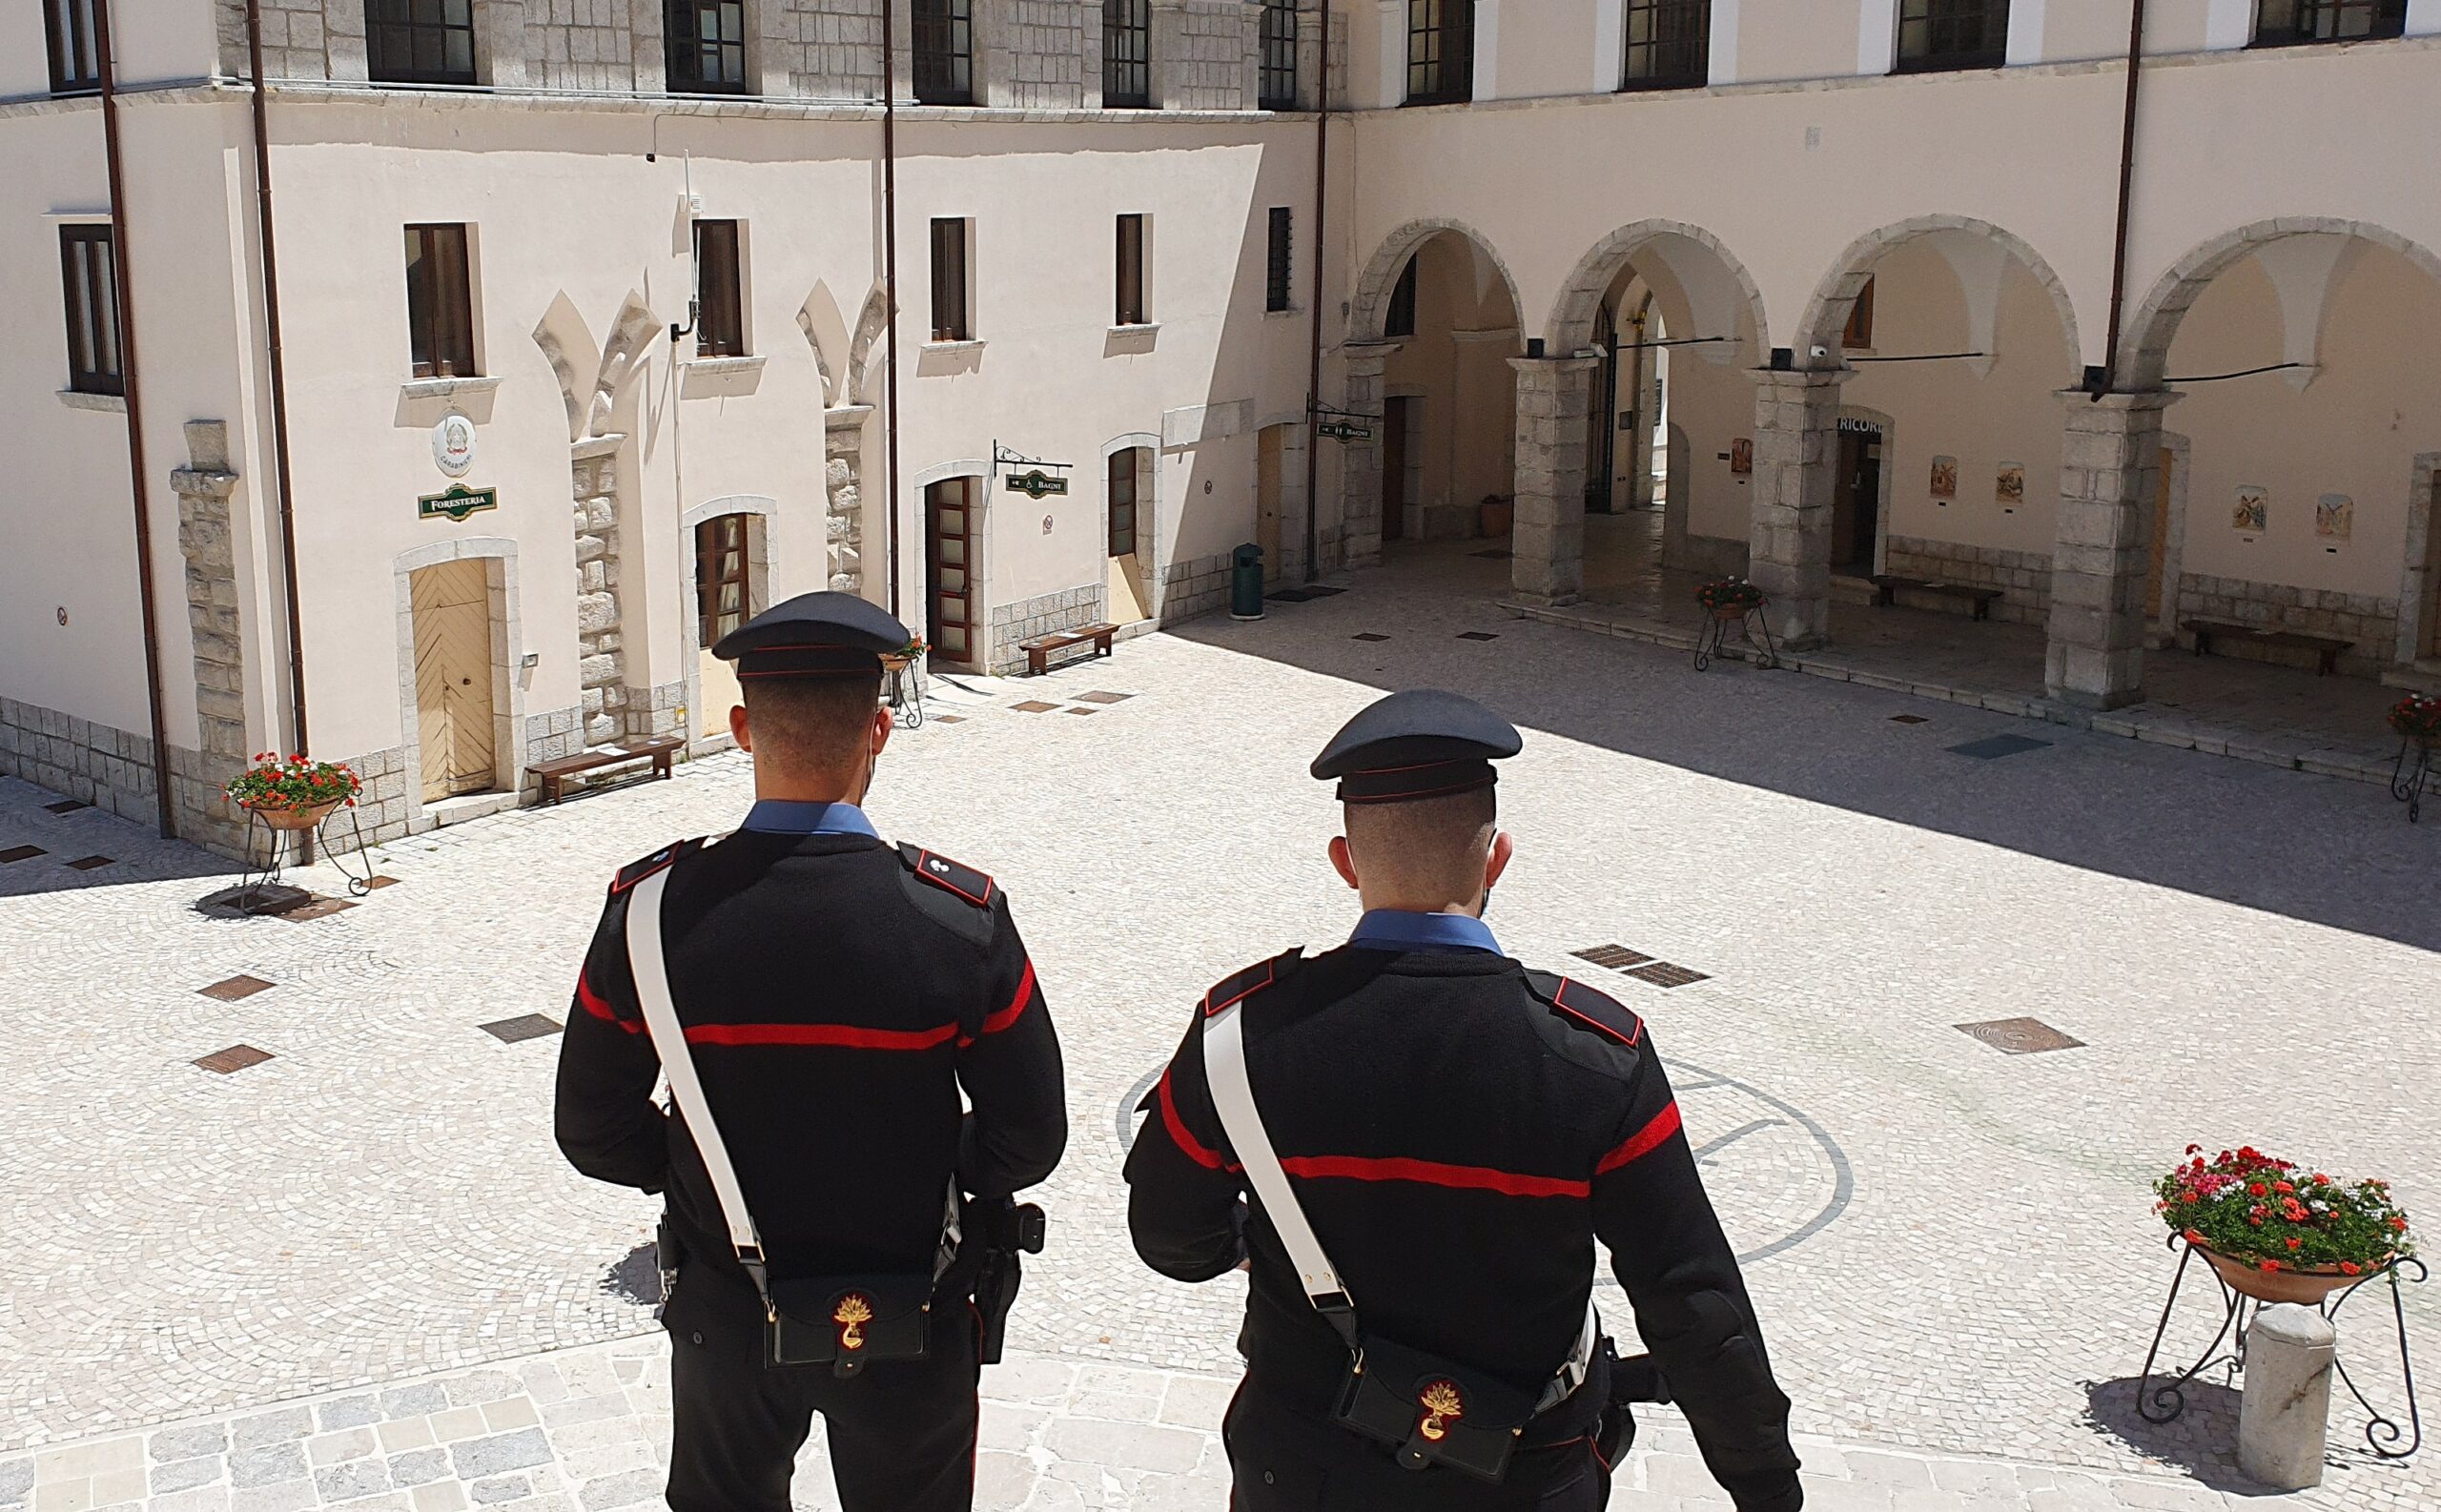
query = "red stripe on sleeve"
{"x": 1435, "y": 1173}
{"x": 596, "y": 1005}
{"x": 1008, "y": 1015}
{"x": 1194, "y": 1149}
{"x": 1643, "y": 1142}
{"x": 841, "y": 1036}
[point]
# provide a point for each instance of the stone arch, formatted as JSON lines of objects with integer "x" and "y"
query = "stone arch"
{"x": 874, "y": 315}
{"x": 827, "y": 333}
{"x": 1572, "y": 323}
{"x": 1826, "y": 311}
{"x": 2145, "y": 352}
{"x": 574, "y": 357}
{"x": 1368, "y": 311}
{"x": 1149, "y": 513}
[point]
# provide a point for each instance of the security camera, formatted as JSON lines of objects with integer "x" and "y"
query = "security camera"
{"x": 1817, "y": 351}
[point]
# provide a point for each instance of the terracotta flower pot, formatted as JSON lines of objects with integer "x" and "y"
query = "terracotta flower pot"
{"x": 283, "y": 817}
{"x": 1731, "y": 611}
{"x": 2282, "y": 1286}
{"x": 1495, "y": 519}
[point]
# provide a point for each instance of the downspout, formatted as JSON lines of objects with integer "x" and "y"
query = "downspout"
{"x": 889, "y": 280}
{"x": 1314, "y": 368}
{"x": 140, "y": 473}
{"x": 2110, "y": 375}
{"x": 264, "y": 234}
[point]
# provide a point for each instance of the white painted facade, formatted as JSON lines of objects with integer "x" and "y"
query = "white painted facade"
{"x": 2285, "y": 203}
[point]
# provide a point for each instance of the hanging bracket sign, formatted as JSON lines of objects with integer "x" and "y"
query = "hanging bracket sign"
{"x": 457, "y": 502}
{"x": 1037, "y": 484}
{"x": 1346, "y": 431}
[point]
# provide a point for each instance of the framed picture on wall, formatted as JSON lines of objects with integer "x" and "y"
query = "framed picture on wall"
{"x": 1741, "y": 455}
{"x": 2334, "y": 517}
{"x": 1944, "y": 478}
{"x": 2011, "y": 488}
{"x": 2254, "y": 511}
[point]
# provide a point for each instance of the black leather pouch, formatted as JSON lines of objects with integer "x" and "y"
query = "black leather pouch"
{"x": 1431, "y": 1412}
{"x": 847, "y": 1322}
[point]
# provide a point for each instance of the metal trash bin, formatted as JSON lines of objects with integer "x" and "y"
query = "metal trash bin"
{"x": 1245, "y": 582}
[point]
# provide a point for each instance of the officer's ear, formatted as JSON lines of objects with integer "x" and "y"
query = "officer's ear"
{"x": 1496, "y": 863}
{"x": 737, "y": 727}
{"x": 1344, "y": 860}
{"x": 883, "y": 724}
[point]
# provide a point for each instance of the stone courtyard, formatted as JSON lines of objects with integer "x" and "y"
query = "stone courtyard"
{"x": 356, "y": 1273}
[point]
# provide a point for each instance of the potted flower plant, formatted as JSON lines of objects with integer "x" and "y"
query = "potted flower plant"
{"x": 2417, "y": 717}
{"x": 906, "y": 656}
{"x": 295, "y": 793}
{"x": 2278, "y": 1236}
{"x": 1729, "y": 597}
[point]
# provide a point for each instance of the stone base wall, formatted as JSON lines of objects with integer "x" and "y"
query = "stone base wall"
{"x": 2022, "y": 577}
{"x": 551, "y": 735}
{"x": 96, "y": 763}
{"x": 1041, "y": 615}
{"x": 653, "y": 711}
{"x": 1201, "y": 584}
{"x": 2372, "y": 622}
{"x": 384, "y": 810}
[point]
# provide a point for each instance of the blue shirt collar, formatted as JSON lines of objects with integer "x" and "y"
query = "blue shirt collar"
{"x": 1397, "y": 930}
{"x": 781, "y": 816}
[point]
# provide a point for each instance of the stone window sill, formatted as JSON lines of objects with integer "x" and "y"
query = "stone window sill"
{"x": 1141, "y": 328}
{"x": 971, "y": 345}
{"x": 720, "y": 377}
{"x": 717, "y": 366}
{"x": 1290, "y": 313}
{"x": 442, "y": 388}
{"x": 107, "y": 403}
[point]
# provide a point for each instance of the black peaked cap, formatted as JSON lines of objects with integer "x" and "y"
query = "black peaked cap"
{"x": 815, "y": 635}
{"x": 1423, "y": 743}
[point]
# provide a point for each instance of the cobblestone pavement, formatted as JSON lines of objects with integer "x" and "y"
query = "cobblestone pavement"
{"x": 1950, "y": 1246}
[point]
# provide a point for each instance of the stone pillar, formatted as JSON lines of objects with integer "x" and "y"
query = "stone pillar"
{"x": 217, "y": 633}
{"x": 2109, "y": 470}
{"x": 1796, "y": 456}
{"x": 843, "y": 521}
{"x": 1554, "y": 397}
{"x": 2286, "y": 1412}
{"x": 1360, "y": 531}
{"x": 601, "y": 661}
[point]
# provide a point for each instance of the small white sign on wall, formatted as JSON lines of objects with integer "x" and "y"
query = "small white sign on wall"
{"x": 453, "y": 446}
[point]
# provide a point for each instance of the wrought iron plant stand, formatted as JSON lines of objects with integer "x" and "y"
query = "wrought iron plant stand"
{"x": 259, "y": 889}
{"x": 2411, "y": 774}
{"x": 1712, "y": 639}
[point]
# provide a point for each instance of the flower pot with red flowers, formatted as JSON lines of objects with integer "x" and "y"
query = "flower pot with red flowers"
{"x": 2418, "y": 719}
{"x": 294, "y": 794}
{"x": 2277, "y": 1234}
{"x": 1730, "y": 598}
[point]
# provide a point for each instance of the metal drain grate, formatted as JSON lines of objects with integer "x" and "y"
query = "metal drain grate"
{"x": 1289, "y": 596}
{"x": 90, "y": 863}
{"x": 1099, "y": 697}
{"x": 1617, "y": 958}
{"x": 1908, "y": 719}
{"x": 2020, "y": 1036}
{"x": 318, "y": 908}
{"x": 21, "y": 853}
{"x": 1661, "y": 973}
{"x": 1034, "y": 705}
{"x": 375, "y": 884}
{"x": 1367, "y": 635}
{"x": 1477, "y": 635}
{"x": 949, "y": 719}
{"x": 1084, "y": 712}
{"x": 1321, "y": 590}
{"x": 234, "y": 988}
{"x": 67, "y": 806}
{"x": 1992, "y": 747}
{"x": 523, "y": 1028}
{"x": 236, "y": 1058}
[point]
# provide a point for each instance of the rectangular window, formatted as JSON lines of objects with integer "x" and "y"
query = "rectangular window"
{"x": 1127, "y": 55}
{"x": 2285, "y": 23}
{"x": 420, "y": 41}
{"x": 944, "y": 47}
{"x": 1122, "y": 502}
{"x": 89, "y": 275}
{"x": 1441, "y": 52}
{"x": 75, "y": 67}
{"x": 1131, "y": 271}
{"x": 440, "y": 322}
{"x": 1859, "y": 333}
{"x": 950, "y": 322}
{"x": 1280, "y": 262}
{"x": 706, "y": 47}
{"x": 1938, "y": 35}
{"x": 720, "y": 578}
{"x": 1278, "y": 90}
{"x": 1668, "y": 44}
{"x": 720, "y": 313}
{"x": 1401, "y": 320}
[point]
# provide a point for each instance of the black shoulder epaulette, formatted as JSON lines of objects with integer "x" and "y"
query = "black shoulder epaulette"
{"x": 636, "y": 871}
{"x": 1246, "y": 984}
{"x": 1584, "y": 1007}
{"x": 949, "y": 876}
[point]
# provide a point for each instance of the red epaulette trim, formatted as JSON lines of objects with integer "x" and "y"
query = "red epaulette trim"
{"x": 636, "y": 871}
{"x": 949, "y": 876}
{"x": 1241, "y": 987}
{"x": 1590, "y": 1014}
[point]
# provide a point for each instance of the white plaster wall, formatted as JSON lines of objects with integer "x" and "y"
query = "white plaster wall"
{"x": 1458, "y": 362}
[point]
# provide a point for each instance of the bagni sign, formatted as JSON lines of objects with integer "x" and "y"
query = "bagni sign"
{"x": 456, "y": 502}
{"x": 1035, "y": 483}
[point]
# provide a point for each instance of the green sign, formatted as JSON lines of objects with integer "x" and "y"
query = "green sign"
{"x": 457, "y": 502}
{"x": 1346, "y": 431}
{"x": 1035, "y": 483}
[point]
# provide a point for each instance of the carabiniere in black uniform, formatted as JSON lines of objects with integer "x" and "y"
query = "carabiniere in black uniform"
{"x": 1457, "y": 1130}
{"x": 838, "y": 994}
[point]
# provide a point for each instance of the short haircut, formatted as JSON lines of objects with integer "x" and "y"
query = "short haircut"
{"x": 1424, "y": 844}
{"x": 811, "y": 723}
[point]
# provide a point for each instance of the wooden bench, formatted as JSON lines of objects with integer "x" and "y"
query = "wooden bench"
{"x": 2326, "y": 648}
{"x": 1040, "y": 649}
{"x": 1886, "y": 589}
{"x": 659, "y": 750}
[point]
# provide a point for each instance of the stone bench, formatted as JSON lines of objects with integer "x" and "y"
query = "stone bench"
{"x": 1886, "y": 589}
{"x": 1042, "y": 647}
{"x": 659, "y": 750}
{"x": 2326, "y": 648}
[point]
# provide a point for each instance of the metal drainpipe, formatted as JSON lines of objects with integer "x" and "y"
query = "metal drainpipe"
{"x": 270, "y": 247}
{"x": 890, "y": 282}
{"x": 2126, "y": 187}
{"x": 139, "y": 472}
{"x": 1314, "y": 369}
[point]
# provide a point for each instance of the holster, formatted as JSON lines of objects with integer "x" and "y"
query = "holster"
{"x": 1005, "y": 1232}
{"x": 1432, "y": 1412}
{"x": 847, "y": 1322}
{"x": 1634, "y": 1380}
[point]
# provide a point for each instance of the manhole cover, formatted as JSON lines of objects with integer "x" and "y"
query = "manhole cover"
{"x": 1619, "y": 957}
{"x": 2020, "y": 1036}
{"x": 1034, "y": 705}
{"x": 1995, "y": 745}
{"x": 234, "y": 988}
{"x": 67, "y": 806}
{"x": 236, "y": 1058}
{"x": 1289, "y": 596}
{"x": 1369, "y": 635}
{"x": 1320, "y": 590}
{"x": 90, "y": 863}
{"x": 375, "y": 884}
{"x": 1661, "y": 973}
{"x": 1907, "y": 719}
{"x": 1099, "y": 697}
{"x": 1477, "y": 635}
{"x": 21, "y": 853}
{"x": 1084, "y": 712}
{"x": 524, "y": 1027}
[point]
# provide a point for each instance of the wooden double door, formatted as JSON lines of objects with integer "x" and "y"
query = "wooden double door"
{"x": 452, "y": 611}
{"x": 951, "y": 528}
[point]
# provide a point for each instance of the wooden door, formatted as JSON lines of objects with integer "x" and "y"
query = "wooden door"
{"x": 949, "y": 530}
{"x": 724, "y": 574}
{"x": 1394, "y": 469}
{"x": 453, "y": 627}
{"x": 2431, "y": 646}
{"x": 1123, "y": 488}
{"x": 2155, "y": 590}
{"x": 1271, "y": 451}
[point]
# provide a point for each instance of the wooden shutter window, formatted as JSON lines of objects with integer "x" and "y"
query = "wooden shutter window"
{"x": 441, "y": 327}
{"x": 948, "y": 282}
{"x": 89, "y": 289}
{"x": 720, "y": 316}
{"x": 1131, "y": 270}
{"x": 1280, "y": 260}
{"x": 1858, "y": 334}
